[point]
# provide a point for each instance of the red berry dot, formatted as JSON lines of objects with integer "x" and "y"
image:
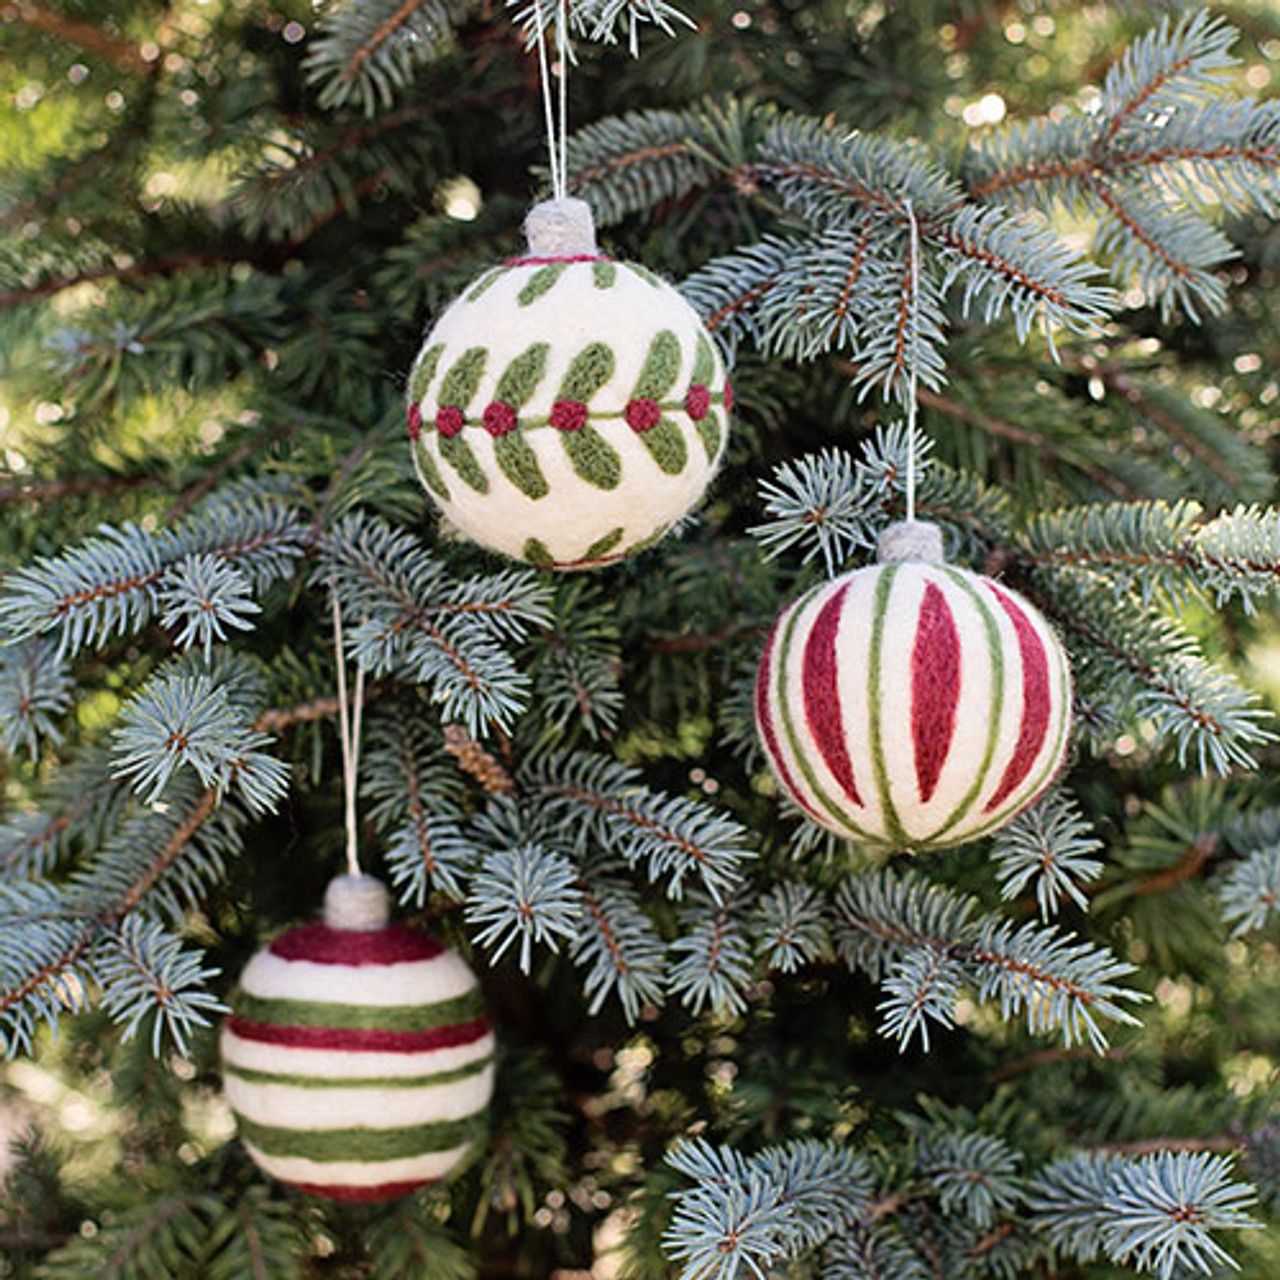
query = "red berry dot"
{"x": 499, "y": 418}
{"x": 449, "y": 420}
{"x": 415, "y": 422}
{"x": 697, "y": 402}
{"x": 728, "y": 398}
{"x": 569, "y": 415}
{"x": 643, "y": 414}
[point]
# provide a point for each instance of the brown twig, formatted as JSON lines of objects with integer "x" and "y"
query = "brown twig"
{"x": 379, "y": 38}
{"x": 1148, "y": 1146}
{"x": 1098, "y": 166}
{"x": 71, "y": 487}
{"x": 623, "y": 161}
{"x": 1043, "y": 1057}
{"x": 130, "y": 271}
{"x": 258, "y": 440}
{"x": 1192, "y": 862}
{"x": 1107, "y": 195}
{"x": 1120, "y": 382}
{"x": 84, "y": 35}
{"x": 277, "y": 718}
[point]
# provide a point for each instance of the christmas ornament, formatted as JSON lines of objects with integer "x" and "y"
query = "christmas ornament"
{"x": 913, "y": 704}
{"x": 567, "y": 409}
{"x": 357, "y": 1057}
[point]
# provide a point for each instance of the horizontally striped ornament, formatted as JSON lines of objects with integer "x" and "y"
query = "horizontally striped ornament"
{"x": 913, "y": 704}
{"x": 357, "y": 1057}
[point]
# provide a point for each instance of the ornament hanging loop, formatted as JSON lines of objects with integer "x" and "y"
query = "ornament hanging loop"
{"x": 349, "y": 718}
{"x": 556, "y": 115}
{"x": 913, "y": 356}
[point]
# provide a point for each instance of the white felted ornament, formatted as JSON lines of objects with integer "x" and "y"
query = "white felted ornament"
{"x": 912, "y": 704}
{"x": 567, "y": 409}
{"x": 357, "y": 1057}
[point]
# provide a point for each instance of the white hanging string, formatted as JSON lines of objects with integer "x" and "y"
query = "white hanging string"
{"x": 913, "y": 372}
{"x": 562, "y": 45}
{"x": 349, "y": 719}
{"x": 548, "y": 110}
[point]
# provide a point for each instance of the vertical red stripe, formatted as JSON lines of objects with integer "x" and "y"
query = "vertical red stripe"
{"x": 764, "y": 718}
{"x": 822, "y": 693}
{"x": 935, "y": 688}
{"x": 1035, "y": 700}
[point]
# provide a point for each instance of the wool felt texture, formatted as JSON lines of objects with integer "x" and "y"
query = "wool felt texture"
{"x": 567, "y": 411}
{"x": 357, "y": 1057}
{"x": 913, "y": 705}
{"x": 560, "y": 229}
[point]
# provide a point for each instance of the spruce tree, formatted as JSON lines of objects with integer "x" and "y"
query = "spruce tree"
{"x": 731, "y": 1044}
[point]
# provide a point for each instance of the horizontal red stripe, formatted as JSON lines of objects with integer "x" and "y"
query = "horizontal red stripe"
{"x": 361, "y": 1195}
{"x": 323, "y": 945}
{"x": 363, "y": 1040}
{"x": 547, "y": 262}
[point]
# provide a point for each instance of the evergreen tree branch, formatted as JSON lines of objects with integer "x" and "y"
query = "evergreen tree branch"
{"x": 55, "y": 981}
{"x": 676, "y": 839}
{"x": 111, "y": 584}
{"x": 35, "y": 491}
{"x": 171, "y": 265}
{"x": 1250, "y": 891}
{"x": 928, "y": 940}
{"x": 84, "y": 35}
{"x": 1154, "y": 1213}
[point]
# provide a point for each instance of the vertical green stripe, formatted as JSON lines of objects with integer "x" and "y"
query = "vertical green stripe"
{"x": 996, "y": 649}
{"x": 782, "y": 702}
{"x": 884, "y": 587}
{"x": 1051, "y": 764}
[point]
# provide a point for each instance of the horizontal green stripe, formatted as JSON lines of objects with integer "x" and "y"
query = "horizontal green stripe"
{"x": 363, "y": 1144}
{"x": 251, "y": 1076}
{"x": 360, "y": 1017}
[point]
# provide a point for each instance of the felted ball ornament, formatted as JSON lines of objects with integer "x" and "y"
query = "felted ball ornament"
{"x": 357, "y": 1057}
{"x": 913, "y": 704}
{"x": 567, "y": 409}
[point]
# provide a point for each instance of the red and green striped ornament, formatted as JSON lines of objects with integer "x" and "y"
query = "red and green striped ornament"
{"x": 913, "y": 704}
{"x": 357, "y": 1057}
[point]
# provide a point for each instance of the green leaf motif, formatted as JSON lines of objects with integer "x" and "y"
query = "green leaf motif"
{"x": 592, "y": 457}
{"x": 645, "y": 274}
{"x": 603, "y": 274}
{"x": 661, "y": 367}
{"x": 424, "y": 369}
{"x": 458, "y": 386}
{"x": 540, "y": 282}
{"x": 521, "y": 377}
{"x": 457, "y": 453}
{"x": 589, "y": 370}
{"x": 428, "y": 470}
{"x": 602, "y": 546}
{"x": 536, "y": 552}
{"x": 645, "y": 543}
{"x": 704, "y": 362}
{"x": 709, "y": 433}
{"x": 519, "y": 464}
{"x": 482, "y": 286}
{"x": 665, "y": 441}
